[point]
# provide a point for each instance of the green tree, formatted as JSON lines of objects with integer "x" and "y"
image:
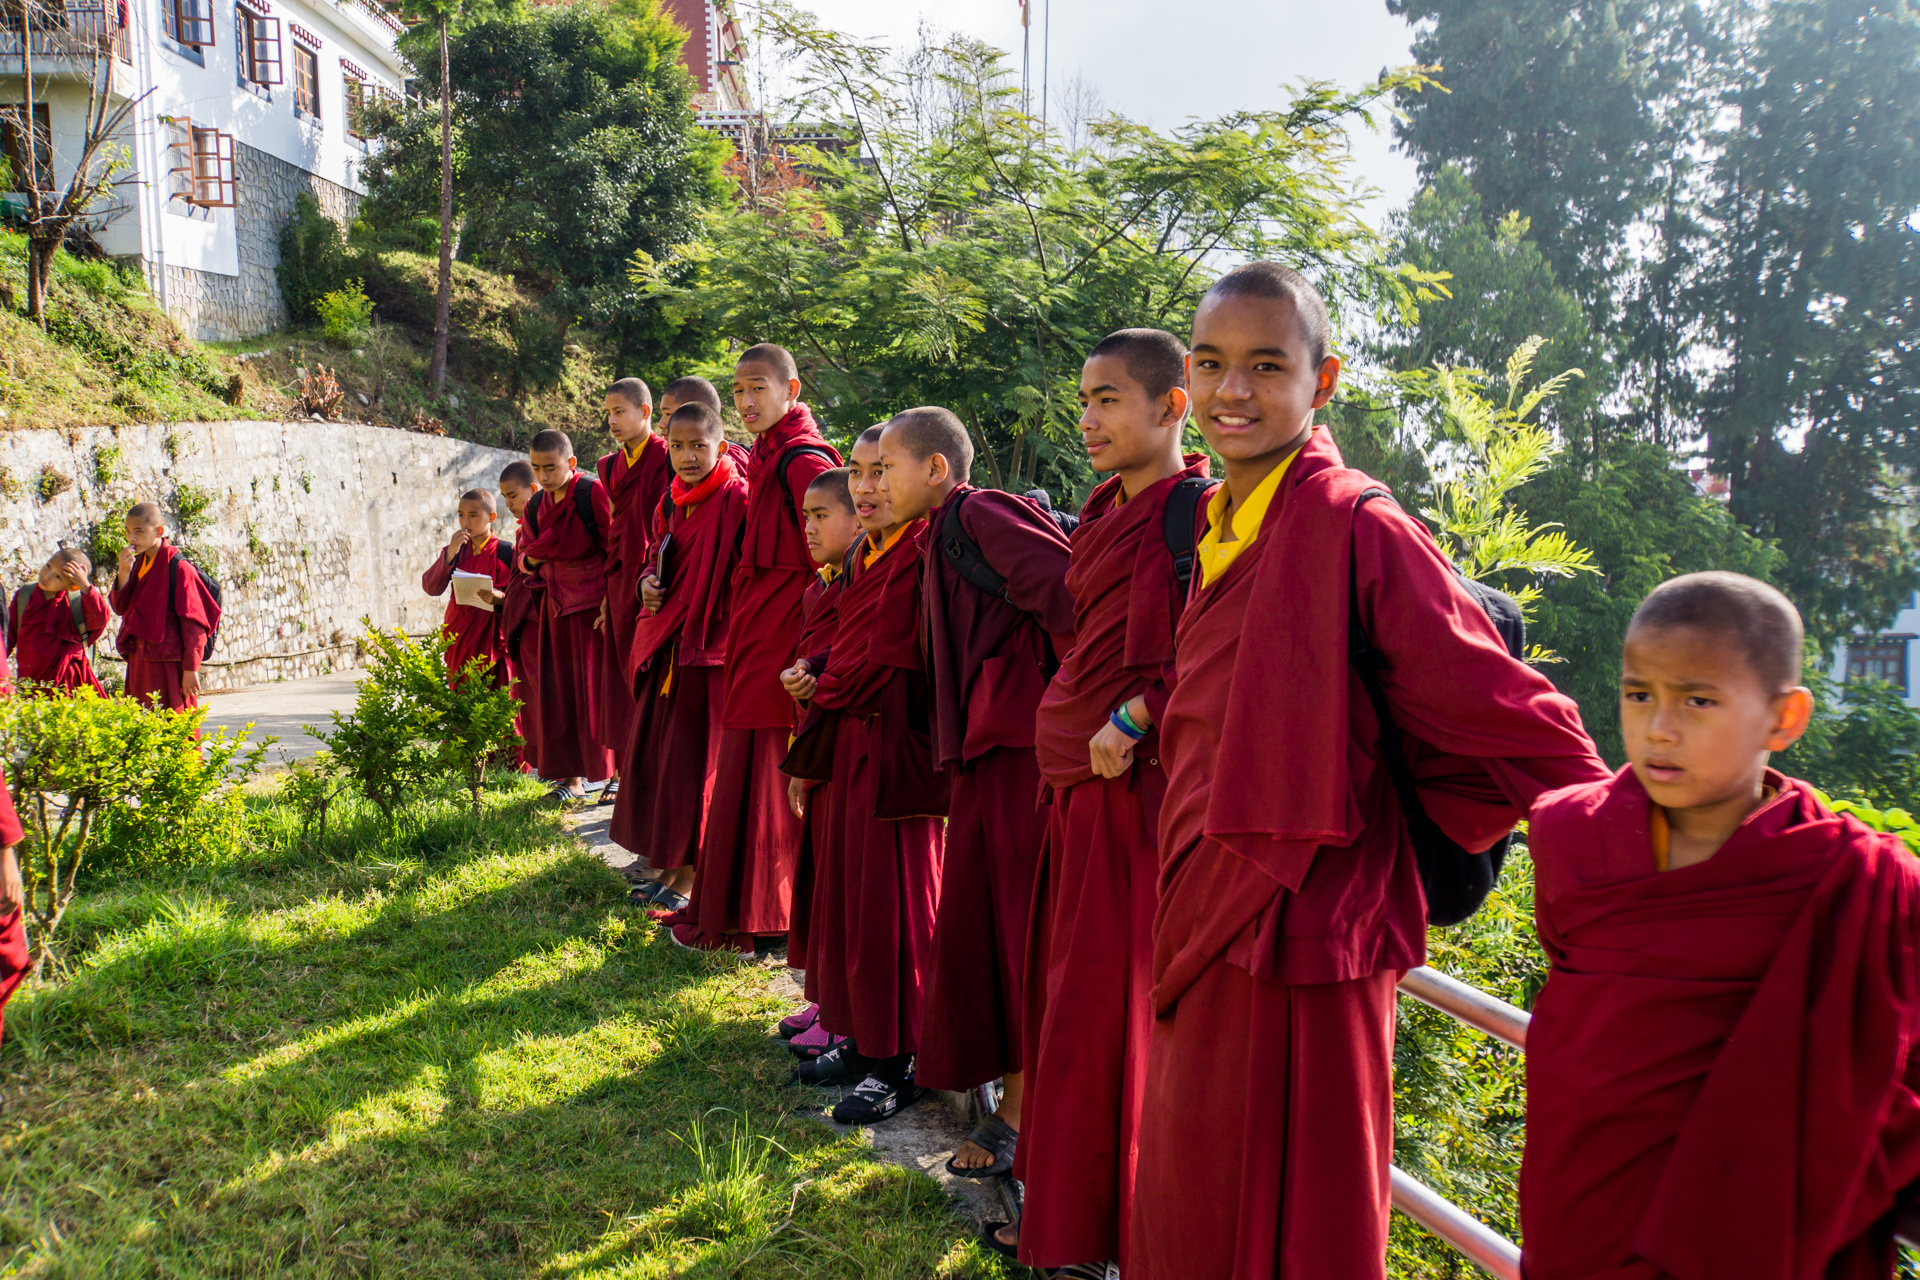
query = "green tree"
{"x": 1863, "y": 744}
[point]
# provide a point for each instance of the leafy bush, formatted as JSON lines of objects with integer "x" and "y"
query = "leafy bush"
{"x": 347, "y": 313}
{"x": 313, "y": 259}
{"x": 1893, "y": 821}
{"x": 115, "y": 777}
{"x": 193, "y": 507}
{"x": 319, "y": 391}
{"x": 1863, "y": 744}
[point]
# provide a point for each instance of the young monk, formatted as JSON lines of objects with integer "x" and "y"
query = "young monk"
{"x": 1721, "y": 1075}
{"x": 678, "y": 656}
{"x": 877, "y": 868}
{"x": 1290, "y": 897}
{"x": 635, "y": 475}
{"x": 831, "y": 527}
{"x": 685, "y": 391}
{"x": 743, "y": 890}
{"x": 1090, "y": 953}
{"x": 48, "y": 634}
{"x": 519, "y": 614}
{"x": 13, "y": 899}
{"x": 990, "y": 657}
{"x": 474, "y": 633}
{"x": 166, "y": 614}
{"x": 569, "y": 554}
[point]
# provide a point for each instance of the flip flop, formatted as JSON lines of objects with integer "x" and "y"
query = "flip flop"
{"x": 794, "y": 1023}
{"x": 655, "y": 893}
{"x": 608, "y": 794}
{"x": 998, "y": 1139}
{"x": 990, "y": 1237}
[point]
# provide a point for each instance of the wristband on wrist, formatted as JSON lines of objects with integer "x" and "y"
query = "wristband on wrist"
{"x": 1124, "y": 723}
{"x": 1132, "y": 724}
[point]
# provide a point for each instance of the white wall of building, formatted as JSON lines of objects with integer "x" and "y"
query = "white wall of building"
{"x": 1904, "y": 631}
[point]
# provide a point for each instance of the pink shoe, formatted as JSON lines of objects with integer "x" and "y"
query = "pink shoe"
{"x": 794, "y": 1023}
{"x": 813, "y": 1042}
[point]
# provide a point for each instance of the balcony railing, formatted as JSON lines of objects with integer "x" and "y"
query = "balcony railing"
{"x": 73, "y": 31}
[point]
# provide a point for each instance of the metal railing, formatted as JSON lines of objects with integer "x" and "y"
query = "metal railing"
{"x": 68, "y": 31}
{"x": 1475, "y": 1240}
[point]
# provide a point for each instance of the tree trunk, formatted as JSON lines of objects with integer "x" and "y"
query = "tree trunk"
{"x": 36, "y": 283}
{"x": 443, "y": 304}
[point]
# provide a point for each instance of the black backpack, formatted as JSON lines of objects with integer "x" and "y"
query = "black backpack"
{"x": 582, "y": 507}
{"x": 213, "y": 589}
{"x": 1183, "y": 507}
{"x": 76, "y": 602}
{"x": 1456, "y": 882}
{"x": 958, "y": 546}
{"x": 796, "y": 451}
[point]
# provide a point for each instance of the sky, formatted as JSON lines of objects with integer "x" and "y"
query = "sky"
{"x": 1158, "y": 65}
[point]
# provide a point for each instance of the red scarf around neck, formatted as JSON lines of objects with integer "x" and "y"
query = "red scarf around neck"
{"x": 686, "y": 495}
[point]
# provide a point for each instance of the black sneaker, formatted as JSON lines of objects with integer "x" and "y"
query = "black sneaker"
{"x": 841, "y": 1064}
{"x": 875, "y": 1099}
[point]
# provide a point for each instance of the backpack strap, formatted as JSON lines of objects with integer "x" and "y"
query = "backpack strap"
{"x": 77, "y": 606}
{"x": 583, "y": 507}
{"x": 532, "y": 512}
{"x": 797, "y": 451}
{"x": 964, "y": 554}
{"x": 1367, "y": 663}
{"x": 1183, "y": 507}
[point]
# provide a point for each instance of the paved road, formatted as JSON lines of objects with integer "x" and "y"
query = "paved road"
{"x": 284, "y": 709}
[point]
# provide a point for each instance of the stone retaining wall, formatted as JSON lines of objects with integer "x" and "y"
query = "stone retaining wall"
{"x": 308, "y": 526}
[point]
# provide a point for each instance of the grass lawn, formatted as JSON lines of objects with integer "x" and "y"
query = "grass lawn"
{"x": 446, "y": 1052}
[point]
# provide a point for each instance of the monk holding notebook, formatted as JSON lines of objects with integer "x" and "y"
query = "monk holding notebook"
{"x": 1290, "y": 895}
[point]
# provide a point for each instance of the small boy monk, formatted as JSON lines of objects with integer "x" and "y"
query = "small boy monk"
{"x": 678, "y": 656}
{"x": 519, "y": 613}
{"x": 826, "y": 515}
{"x": 14, "y": 957}
{"x": 686, "y": 391}
{"x": 1290, "y": 894}
{"x": 569, "y": 554}
{"x": 1090, "y": 953}
{"x": 990, "y": 657}
{"x": 49, "y": 638}
{"x": 876, "y": 870}
{"x": 166, "y": 614}
{"x": 474, "y": 633}
{"x": 635, "y": 475}
{"x": 743, "y": 889}
{"x": 1721, "y": 1069}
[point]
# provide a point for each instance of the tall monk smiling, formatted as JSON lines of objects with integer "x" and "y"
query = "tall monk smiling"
{"x": 1290, "y": 893}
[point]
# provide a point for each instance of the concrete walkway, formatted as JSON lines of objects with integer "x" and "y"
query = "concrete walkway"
{"x": 284, "y": 709}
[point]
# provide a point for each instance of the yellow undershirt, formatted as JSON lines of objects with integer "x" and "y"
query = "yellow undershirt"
{"x": 633, "y": 454}
{"x": 146, "y": 563}
{"x": 1216, "y": 555}
{"x": 827, "y": 573}
{"x": 874, "y": 553}
{"x": 1660, "y": 831}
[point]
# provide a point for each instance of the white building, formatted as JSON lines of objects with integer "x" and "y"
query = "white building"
{"x": 247, "y": 103}
{"x": 1887, "y": 656}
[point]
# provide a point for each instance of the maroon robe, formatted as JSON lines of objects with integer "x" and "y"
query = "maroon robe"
{"x": 164, "y": 633}
{"x": 877, "y": 871}
{"x": 1090, "y": 953}
{"x": 635, "y": 492}
{"x": 990, "y": 660}
{"x": 13, "y": 929}
{"x": 566, "y": 721}
{"x": 819, "y": 617}
{"x": 474, "y": 633}
{"x": 47, "y": 647}
{"x": 1721, "y": 1075}
{"x": 677, "y": 659}
{"x": 1267, "y": 1123}
{"x": 520, "y": 633}
{"x": 745, "y": 880}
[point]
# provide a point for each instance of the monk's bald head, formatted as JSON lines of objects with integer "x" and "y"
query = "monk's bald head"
{"x": 921, "y": 433}
{"x": 831, "y": 486}
{"x": 1153, "y": 358}
{"x": 144, "y": 512}
{"x": 1750, "y": 617}
{"x": 691, "y": 390}
{"x": 71, "y": 558}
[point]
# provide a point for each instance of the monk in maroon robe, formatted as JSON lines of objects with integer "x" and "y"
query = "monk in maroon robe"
{"x": 876, "y": 872}
{"x": 167, "y": 615}
{"x": 14, "y": 959}
{"x": 520, "y": 612}
{"x": 52, "y": 624}
{"x": 474, "y": 633}
{"x": 1721, "y": 1070}
{"x": 744, "y": 887}
{"x": 567, "y": 547}
{"x": 990, "y": 656}
{"x": 1090, "y": 953}
{"x": 1290, "y": 898}
{"x": 635, "y": 476}
{"x": 679, "y": 651}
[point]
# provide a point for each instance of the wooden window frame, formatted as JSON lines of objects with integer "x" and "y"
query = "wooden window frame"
{"x": 43, "y": 143}
{"x": 1868, "y": 659}
{"x": 188, "y": 22}
{"x": 205, "y": 164}
{"x": 306, "y": 80}
{"x": 262, "y": 54}
{"x": 354, "y": 92}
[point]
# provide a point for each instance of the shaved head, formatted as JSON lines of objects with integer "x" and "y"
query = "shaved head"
{"x": 633, "y": 391}
{"x": 871, "y": 435}
{"x": 694, "y": 416}
{"x": 1271, "y": 280}
{"x": 144, "y": 512}
{"x": 551, "y": 442}
{"x": 1153, "y": 358}
{"x": 1752, "y": 616}
{"x": 71, "y": 557}
{"x": 832, "y": 485}
{"x": 482, "y": 496}
{"x": 928, "y": 430}
{"x": 692, "y": 390}
{"x": 776, "y": 360}
{"x": 517, "y": 473}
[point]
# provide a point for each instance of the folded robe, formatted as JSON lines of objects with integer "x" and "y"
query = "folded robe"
{"x": 1721, "y": 1078}
{"x": 520, "y": 632}
{"x": 990, "y": 659}
{"x": 474, "y": 633}
{"x": 676, "y": 658}
{"x": 634, "y": 490}
{"x": 1090, "y": 951}
{"x": 46, "y": 645}
{"x": 566, "y": 721}
{"x": 163, "y": 632}
{"x": 819, "y": 616}
{"x": 877, "y": 867}
{"x": 1310, "y": 890}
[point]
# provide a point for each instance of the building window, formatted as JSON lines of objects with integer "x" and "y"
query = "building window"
{"x": 188, "y": 21}
{"x": 1882, "y": 659}
{"x": 203, "y": 166}
{"x": 10, "y": 122}
{"x": 306, "y": 81}
{"x": 260, "y": 46}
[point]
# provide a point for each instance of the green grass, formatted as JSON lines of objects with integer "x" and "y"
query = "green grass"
{"x": 449, "y": 1052}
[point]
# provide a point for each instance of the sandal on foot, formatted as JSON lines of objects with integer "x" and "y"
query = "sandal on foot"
{"x": 990, "y": 1237}
{"x": 875, "y": 1099}
{"x": 795, "y": 1023}
{"x": 608, "y": 794}
{"x": 995, "y": 1137}
{"x": 841, "y": 1064}
{"x": 564, "y": 795}
{"x": 813, "y": 1042}
{"x": 654, "y": 893}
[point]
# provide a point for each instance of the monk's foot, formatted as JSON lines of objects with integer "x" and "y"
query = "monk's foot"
{"x": 1009, "y": 1235}
{"x": 988, "y": 1151}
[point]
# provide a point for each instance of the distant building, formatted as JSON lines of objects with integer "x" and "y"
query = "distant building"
{"x": 246, "y": 105}
{"x": 1887, "y": 656}
{"x": 715, "y": 53}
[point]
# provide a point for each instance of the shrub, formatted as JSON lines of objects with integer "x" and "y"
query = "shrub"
{"x": 320, "y": 392}
{"x": 193, "y": 507}
{"x": 313, "y": 259}
{"x": 347, "y": 313}
{"x": 53, "y": 483}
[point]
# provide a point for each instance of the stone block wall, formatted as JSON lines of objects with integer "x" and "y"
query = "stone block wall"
{"x": 216, "y": 307}
{"x": 309, "y": 527}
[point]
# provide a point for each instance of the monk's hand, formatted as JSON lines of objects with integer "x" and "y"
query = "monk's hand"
{"x": 1110, "y": 751}
{"x": 461, "y": 540}
{"x": 798, "y": 680}
{"x": 190, "y": 684}
{"x": 12, "y": 892}
{"x": 651, "y": 596}
{"x": 125, "y": 564}
{"x": 499, "y": 594}
{"x": 600, "y": 618}
{"x": 797, "y": 796}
